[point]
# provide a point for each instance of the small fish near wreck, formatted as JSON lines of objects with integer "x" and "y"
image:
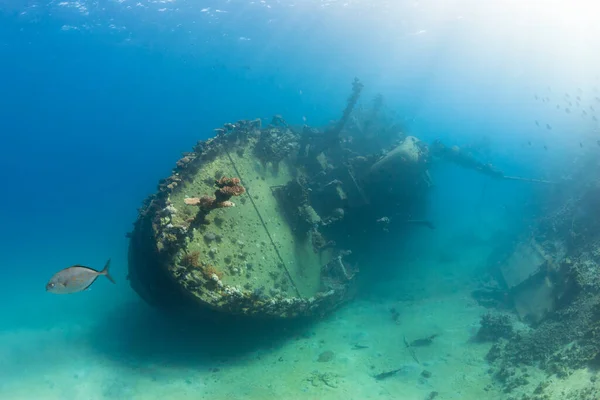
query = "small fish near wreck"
{"x": 76, "y": 279}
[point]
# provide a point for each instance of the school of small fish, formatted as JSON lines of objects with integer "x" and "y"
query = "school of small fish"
{"x": 573, "y": 102}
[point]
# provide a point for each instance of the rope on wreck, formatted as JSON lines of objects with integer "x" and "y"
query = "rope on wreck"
{"x": 262, "y": 221}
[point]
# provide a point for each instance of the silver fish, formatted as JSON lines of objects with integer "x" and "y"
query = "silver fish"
{"x": 76, "y": 279}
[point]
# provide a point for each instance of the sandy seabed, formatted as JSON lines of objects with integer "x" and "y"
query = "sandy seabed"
{"x": 334, "y": 358}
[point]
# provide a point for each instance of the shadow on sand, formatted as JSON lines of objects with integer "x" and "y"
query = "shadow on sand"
{"x": 135, "y": 335}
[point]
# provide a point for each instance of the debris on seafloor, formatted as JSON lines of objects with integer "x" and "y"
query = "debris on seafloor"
{"x": 432, "y": 395}
{"x": 426, "y": 374}
{"x": 549, "y": 280}
{"x": 426, "y": 341}
{"x": 495, "y": 326}
{"x": 326, "y": 356}
{"x": 394, "y": 314}
{"x": 411, "y": 351}
{"x": 328, "y": 379}
{"x": 387, "y": 374}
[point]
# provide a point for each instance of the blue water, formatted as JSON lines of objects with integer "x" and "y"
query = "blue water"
{"x": 99, "y": 99}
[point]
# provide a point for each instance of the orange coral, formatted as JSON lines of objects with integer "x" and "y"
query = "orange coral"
{"x": 206, "y": 202}
{"x": 192, "y": 201}
{"x": 224, "y": 181}
{"x": 191, "y": 259}
{"x": 210, "y": 270}
{"x": 236, "y": 190}
{"x": 227, "y": 187}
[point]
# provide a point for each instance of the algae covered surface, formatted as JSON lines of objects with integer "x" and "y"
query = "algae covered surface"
{"x": 250, "y": 245}
{"x": 224, "y": 237}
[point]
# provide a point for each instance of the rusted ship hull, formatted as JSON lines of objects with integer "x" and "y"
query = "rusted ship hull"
{"x": 242, "y": 256}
